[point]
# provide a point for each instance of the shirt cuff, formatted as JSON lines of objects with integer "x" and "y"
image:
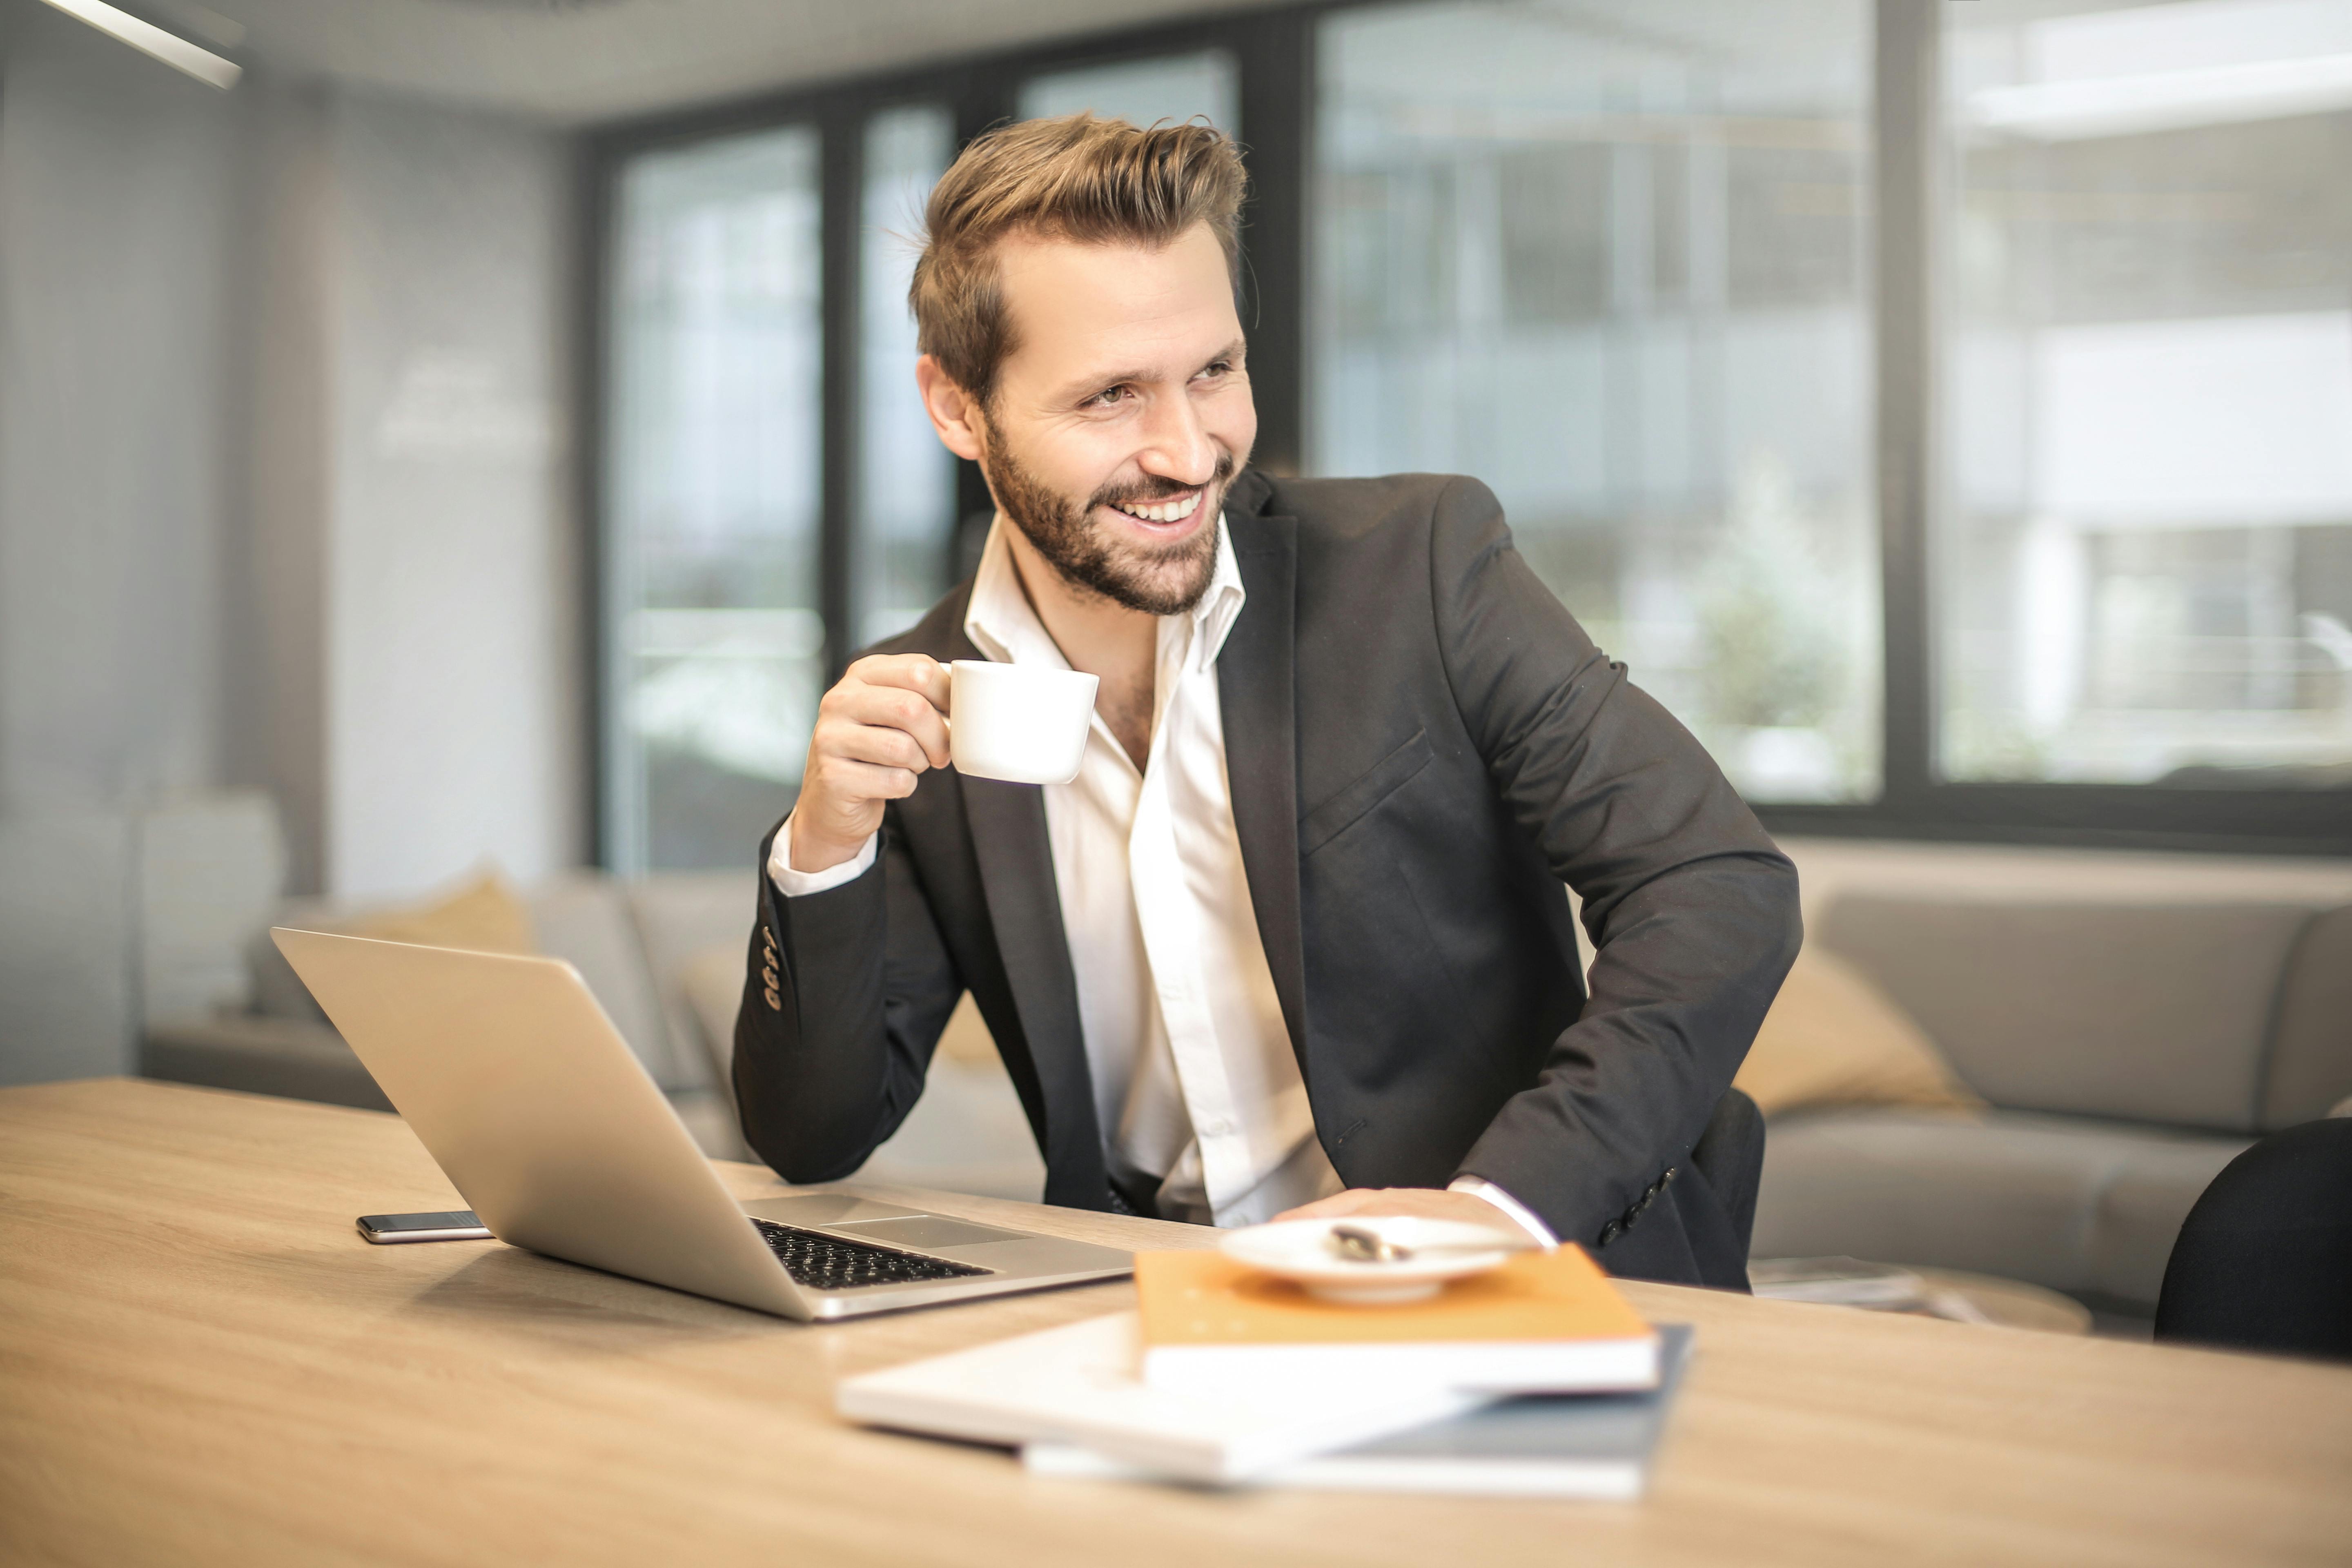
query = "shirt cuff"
{"x": 800, "y": 884}
{"x": 1520, "y": 1215}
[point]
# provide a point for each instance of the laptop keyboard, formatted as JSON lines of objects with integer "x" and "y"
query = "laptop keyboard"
{"x": 824, "y": 1262}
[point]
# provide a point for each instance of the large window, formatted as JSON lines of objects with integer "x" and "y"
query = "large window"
{"x": 1945, "y": 408}
{"x": 713, "y": 637}
{"x": 2146, "y": 562}
{"x": 1611, "y": 259}
{"x": 905, "y": 496}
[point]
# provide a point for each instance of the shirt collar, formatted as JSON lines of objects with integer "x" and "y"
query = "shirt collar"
{"x": 1003, "y": 625}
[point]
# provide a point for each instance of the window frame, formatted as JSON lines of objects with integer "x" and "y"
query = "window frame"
{"x": 1274, "y": 48}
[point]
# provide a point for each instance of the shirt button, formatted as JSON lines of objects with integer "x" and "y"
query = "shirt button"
{"x": 1217, "y": 1127}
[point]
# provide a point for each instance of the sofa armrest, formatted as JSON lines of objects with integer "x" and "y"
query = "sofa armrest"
{"x": 290, "y": 1058}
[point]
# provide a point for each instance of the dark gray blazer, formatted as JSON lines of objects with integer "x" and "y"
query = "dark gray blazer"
{"x": 1422, "y": 747}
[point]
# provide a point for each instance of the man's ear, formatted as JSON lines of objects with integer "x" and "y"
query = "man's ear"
{"x": 954, "y": 413}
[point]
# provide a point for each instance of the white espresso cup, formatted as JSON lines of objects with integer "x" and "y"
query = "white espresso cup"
{"x": 1023, "y": 726}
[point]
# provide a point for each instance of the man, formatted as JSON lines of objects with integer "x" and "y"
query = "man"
{"x": 1296, "y": 939}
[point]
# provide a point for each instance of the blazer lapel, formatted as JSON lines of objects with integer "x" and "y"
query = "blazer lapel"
{"x": 1007, "y": 823}
{"x": 1257, "y": 696}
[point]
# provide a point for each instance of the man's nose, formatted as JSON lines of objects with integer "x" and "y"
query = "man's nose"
{"x": 1176, "y": 444}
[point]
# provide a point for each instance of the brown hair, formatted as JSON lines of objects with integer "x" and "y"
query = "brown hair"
{"x": 1075, "y": 177}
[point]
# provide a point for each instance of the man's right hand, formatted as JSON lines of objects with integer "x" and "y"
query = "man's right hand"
{"x": 876, "y": 733}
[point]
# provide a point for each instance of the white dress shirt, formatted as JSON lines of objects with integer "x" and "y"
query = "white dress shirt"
{"x": 1195, "y": 1083}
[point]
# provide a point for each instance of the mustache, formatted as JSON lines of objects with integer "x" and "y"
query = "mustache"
{"x": 1152, "y": 491}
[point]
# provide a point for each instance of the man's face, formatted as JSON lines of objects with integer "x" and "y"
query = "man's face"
{"x": 1122, "y": 414}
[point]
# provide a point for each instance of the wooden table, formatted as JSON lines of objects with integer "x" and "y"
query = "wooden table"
{"x": 200, "y": 1361}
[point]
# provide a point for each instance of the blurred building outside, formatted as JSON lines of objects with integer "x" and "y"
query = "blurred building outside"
{"x": 2147, "y": 544}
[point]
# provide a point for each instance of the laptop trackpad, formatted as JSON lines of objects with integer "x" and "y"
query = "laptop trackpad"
{"x": 927, "y": 1232}
{"x": 810, "y": 1210}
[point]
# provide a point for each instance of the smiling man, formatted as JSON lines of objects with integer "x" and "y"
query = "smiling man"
{"x": 1295, "y": 937}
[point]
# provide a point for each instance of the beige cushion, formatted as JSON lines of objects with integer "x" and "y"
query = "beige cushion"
{"x": 486, "y": 915}
{"x": 1833, "y": 1038}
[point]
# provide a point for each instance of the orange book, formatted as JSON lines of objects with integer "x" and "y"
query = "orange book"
{"x": 1543, "y": 1322}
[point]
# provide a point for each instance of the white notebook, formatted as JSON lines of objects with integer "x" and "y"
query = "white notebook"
{"x": 1077, "y": 1384}
{"x": 1595, "y": 1446}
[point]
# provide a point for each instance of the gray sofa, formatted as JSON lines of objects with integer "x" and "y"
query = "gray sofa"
{"x": 2129, "y": 1048}
{"x": 2128, "y": 1051}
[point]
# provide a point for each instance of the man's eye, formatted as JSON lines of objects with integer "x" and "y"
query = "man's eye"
{"x": 1217, "y": 367}
{"x": 1108, "y": 397}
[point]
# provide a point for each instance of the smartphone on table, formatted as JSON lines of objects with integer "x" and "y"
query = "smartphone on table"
{"x": 450, "y": 1225}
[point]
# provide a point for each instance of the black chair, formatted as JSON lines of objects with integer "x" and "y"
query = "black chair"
{"x": 2264, "y": 1260}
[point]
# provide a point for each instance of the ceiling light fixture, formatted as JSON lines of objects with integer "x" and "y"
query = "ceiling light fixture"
{"x": 150, "y": 39}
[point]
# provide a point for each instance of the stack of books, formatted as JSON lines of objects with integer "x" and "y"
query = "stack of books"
{"x": 1537, "y": 1378}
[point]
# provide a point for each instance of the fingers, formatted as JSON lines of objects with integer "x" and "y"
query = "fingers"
{"x": 870, "y": 738}
{"x": 876, "y": 733}
{"x": 916, "y": 672}
{"x": 892, "y": 694}
{"x": 869, "y": 780}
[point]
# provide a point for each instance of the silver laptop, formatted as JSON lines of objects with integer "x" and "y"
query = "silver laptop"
{"x": 543, "y": 1118}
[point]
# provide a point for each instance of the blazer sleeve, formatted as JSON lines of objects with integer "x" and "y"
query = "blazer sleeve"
{"x": 844, "y": 996}
{"x": 1691, "y": 908}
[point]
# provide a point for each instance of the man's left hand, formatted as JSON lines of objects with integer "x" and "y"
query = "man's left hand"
{"x": 1423, "y": 1203}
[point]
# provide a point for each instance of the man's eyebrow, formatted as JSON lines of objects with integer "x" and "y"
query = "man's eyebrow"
{"x": 1089, "y": 386}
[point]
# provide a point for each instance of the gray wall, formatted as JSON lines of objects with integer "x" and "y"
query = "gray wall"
{"x": 282, "y": 509}
{"x": 115, "y": 177}
{"x": 451, "y": 636}
{"x": 116, "y": 459}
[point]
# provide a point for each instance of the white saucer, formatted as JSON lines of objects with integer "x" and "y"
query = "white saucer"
{"x": 1300, "y": 1250}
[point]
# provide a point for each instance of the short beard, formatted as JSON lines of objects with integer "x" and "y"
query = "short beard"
{"x": 1168, "y": 582}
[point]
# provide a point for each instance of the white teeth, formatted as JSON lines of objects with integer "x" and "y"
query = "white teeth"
{"x": 1170, "y": 511}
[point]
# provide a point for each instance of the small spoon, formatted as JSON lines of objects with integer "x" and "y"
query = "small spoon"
{"x": 1358, "y": 1245}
